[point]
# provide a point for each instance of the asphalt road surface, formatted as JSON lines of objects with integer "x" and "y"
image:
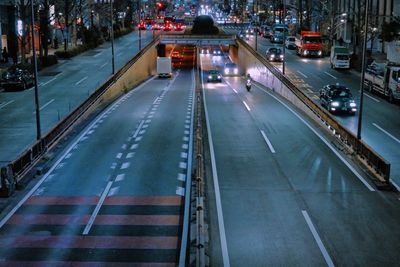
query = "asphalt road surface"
{"x": 279, "y": 193}
{"x": 380, "y": 126}
{"x": 62, "y": 88}
{"x": 115, "y": 195}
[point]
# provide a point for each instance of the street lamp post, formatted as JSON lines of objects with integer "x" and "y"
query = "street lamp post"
{"x": 284, "y": 38}
{"x": 112, "y": 37}
{"x": 363, "y": 70}
{"x": 37, "y": 106}
{"x": 140, "y": 31}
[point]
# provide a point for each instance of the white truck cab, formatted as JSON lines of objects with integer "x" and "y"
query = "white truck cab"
{"x": 340, "y": 57}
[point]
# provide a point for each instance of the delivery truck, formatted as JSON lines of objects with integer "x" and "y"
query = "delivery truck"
{"x": 164, "y": 67}
{"x": 340, "y": 57}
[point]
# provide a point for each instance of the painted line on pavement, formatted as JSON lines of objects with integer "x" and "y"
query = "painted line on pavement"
{"x": 221, "y": 226}
{"x": 49, "y": 81}
{"x": 97, "y": 209}
{"x": 386, "y": 132}
{"x": 373, "y": 98}
{"x": 5, "y": 104}
{"x": 395, "y": 185}
{"x": 321, "y": 246}
{"x": 138, "y": 129}
{"x": 55, "y": 165}
{"x": 330, "y": 75}
{"x": 268, "y": 142}
{"x": 102, "y": 66}
{"x": 98, "y": 54}
{"x": 45, "y": 105}
{"x": 302, "y": 74}
{"x": 81, "y": 80}
{"x": 359, "y": 176}
{"x": 247, "y": 106}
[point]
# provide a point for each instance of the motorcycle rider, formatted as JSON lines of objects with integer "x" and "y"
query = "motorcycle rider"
{"x": 248, "y": 82}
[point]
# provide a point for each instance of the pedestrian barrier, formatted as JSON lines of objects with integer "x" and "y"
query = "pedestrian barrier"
{"x": 273, "y": 78}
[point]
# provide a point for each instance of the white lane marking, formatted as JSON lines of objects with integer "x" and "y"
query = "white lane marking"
{"x": 96, "y": 210}
{"x": 134, "y": 146}
{"x": 120, "y": 177}
{"x": 395, "y": 185}
{"x": 137, "y": 139}
{"x": 48, "y": 174}
{"x": 130, "y": 155}
{"x": 267, "y": 141}
{"x": 49, "y": 81}
{"x": 330, "y": 75}
{"x": 185, "y": 146}
{"x": 221, "y": 225}
{"x": 81, "y": 80}
{"x": 182, "y": 165}
{"x": 125, "y": 165}
{"x": 180, "y": 191}
{"x": 386, "y": 132}
{"x": 68, "y": 155}
{"x": 5, "y": 104}
{"x": 138, "y": 129}
{"x": 302, "y": 74}
{"x": 98, "y": 54}
{"x": 119, "y": 155}
{"x": 321, "y": 246}
{"x": 181, "y": 177}
{"x": 45, "y": 105}
{"x": 185, "y": 138}
{"x": 373, "y": 98}
{"x": 248, "y": 108}
{"x": 184, "y": 155}
{"x": 234, "y": 90}
{"x": 102, "y": 66}
{"x": 370, "y": 188}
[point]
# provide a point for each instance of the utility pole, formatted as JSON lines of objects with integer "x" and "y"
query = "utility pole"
{"x": 366, "y": 14}
{"x": 112, "y": 37}
{"x": 37, "y": 106}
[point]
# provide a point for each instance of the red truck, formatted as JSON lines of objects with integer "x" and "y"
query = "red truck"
{"x": 309, "y": 44}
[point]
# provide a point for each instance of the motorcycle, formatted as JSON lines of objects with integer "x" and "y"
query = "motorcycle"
{"x": 248, "y": 85}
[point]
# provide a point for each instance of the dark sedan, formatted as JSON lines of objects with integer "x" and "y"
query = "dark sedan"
{"x": 16, "y": 79}
{"x": 214, "y": 76}
{"x": 275, "y": 54}
{"x": 337, "y": 98}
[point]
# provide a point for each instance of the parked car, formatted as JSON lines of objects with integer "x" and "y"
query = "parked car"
{"x": 231, "y": 69}
{"x": 214, "y": 76}
{"x": 290, "y": 42}
{"x": 337, "y": 98}
{"x": 16, "y": 79}
{"x": 275, "y": 54}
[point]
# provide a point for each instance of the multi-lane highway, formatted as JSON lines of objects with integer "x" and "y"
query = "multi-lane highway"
{"x": 114, "y": 197}
{"x": 62, "y": 88}
{"x": 380, "y": 126}
{"x": 279, "y": 192}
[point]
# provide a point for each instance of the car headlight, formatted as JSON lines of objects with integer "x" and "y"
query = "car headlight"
{"x": 209, "y": 76}
{"x": 272, "y": 56}
{"x": 305, "y": 52}
{"x": 353, "y": 105}
{"x": 226, "y": 71}
{"x": 235, "y": 70}
{"x": 281, "y": 56}
{"x": 335, "y": 104}
{"x": 219, "y": 76}
{"x": 319, "y": 53}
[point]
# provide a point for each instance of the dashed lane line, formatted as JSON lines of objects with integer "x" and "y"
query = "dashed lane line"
{"x": 7, "y": 103}
{"x": 321, "y": 246}
{"x": 330, "y": 75}
{"x": 386, "y": 132}
{"x": 81, "y": 80}
{"x": 267, "y": 141}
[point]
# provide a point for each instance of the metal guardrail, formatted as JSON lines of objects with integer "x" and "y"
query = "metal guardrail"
{"x": 32, "y": 154}
{"x": 365, "y": 153}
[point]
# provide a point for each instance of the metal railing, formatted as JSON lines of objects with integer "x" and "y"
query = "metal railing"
{"x": 365, "y": 153}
